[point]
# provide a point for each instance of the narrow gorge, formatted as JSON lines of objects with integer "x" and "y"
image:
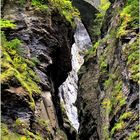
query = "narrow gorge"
{"x": 69, "y": 70}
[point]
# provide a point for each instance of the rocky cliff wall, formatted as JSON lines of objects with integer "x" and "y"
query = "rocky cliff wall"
{"x": 88, "y": 13}
{"x": 46, "y": 39}
{"x": 108, "y": 81}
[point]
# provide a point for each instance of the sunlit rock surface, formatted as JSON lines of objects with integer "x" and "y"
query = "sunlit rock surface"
{"x": 68, "y": 90}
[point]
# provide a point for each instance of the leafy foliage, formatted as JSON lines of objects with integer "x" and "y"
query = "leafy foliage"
{"x": 129, "y": 17}
{"x": 104, "y": 5}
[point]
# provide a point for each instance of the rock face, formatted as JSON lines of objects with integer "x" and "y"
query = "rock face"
{"x": 108, "y": 81}
{"x": 94, "y": 3}
{"x": 68, "y": 90}
{"x": 48, "y": 37}
{"x": 40, "y": 72}
{"x": 88, "y": 13}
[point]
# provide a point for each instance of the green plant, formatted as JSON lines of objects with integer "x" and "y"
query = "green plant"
{"x": 40, "y": 5}
{"x": 6, "y": 24}
{"x": 22, "y": 2}
{"x": 92, "y": 51}
{"x": 44, "y": 124}
{"x": 66, "y": 9}
{"x": 31, "y": 135}
{"x": 108, "y": 83}
{"x": 6, "y": 134}
{"x": 104, "y": 5}
{"x": 61, "y": 134}
{"x": 35, "y": 60}
{"x": 102, "y": 62}
{"x": 132, "y": 54}
{"x": 125, "y": 115}
{"x": 14, "y": 65}
{"x": 97, "y": 22}
{"x": 118, "y": 126}
{"x": 107, "y": 105}
{"x": 129, "y": 17}
{"x": 134, "y": 135}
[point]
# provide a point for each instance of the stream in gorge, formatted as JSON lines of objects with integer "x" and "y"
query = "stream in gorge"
{"x": 68, "y": 90}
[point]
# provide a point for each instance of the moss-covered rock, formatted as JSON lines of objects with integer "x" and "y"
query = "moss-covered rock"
{"x": 108, "y": 88}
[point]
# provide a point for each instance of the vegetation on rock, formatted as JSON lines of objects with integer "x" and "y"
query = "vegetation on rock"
{"x": 115, "y": 52}
{"x": 14, "y": 65}
{"x": 66, "y": 9}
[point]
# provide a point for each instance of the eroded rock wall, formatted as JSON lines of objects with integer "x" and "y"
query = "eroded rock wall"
{"x": 108, "y": 81}
{"x": 46, "y": 37}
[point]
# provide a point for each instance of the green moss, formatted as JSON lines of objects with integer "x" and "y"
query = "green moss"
{"x": 106, "y": 133}
{"x": 104, "y": 5}
{"x": 96, "y": 26}
{"x": 40, "y": 5}
{"x": 6, "y": 134}
{"x": 4, "y": 129}
{"x": 115, "y": 97}
{"x": 107, "y": 105}
{"x": 22, "y": 2}
{"x": 126, "y": 115}
{"x": 102, "y": 62}
{"x": 66, "y": 9}
{"x": 35, "y": 60}
{"x": 97, "y": 22}
{"x": 108, "y": 83}
{"x": 129, "y": 17}
{"x": 61, "y": 134}
{"x": 14, "y": 65}
{"x": 135, "y": 134}
{"x": 44, "y": 123}
{"x": 20, "y": 125}
{"x": 92, "y": 51}
{"x": 132, "y": 54}
{"x": 6, "y": 24}
{"x": 31, "y": 135}
{"x": 118, "y": 126}
{"x": 62, "y": 108}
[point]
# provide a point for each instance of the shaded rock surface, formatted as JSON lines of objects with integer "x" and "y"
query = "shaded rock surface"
{"x": 88, "y": 13}
{"x": 108, "y": 93}
{"x": 48, "y": 38}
